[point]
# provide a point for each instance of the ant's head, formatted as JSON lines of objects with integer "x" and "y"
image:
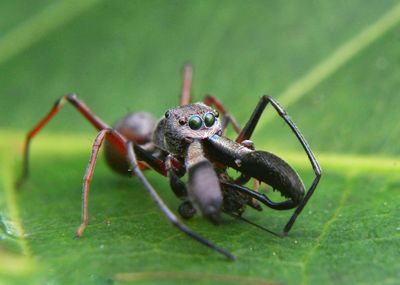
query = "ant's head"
{"x": 193, "y": 121}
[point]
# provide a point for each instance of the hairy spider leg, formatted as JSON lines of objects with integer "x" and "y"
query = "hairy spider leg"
{"x": 164, "y": 208}
{"x": 177, "y": 185}
{"x": 248, "y": 131}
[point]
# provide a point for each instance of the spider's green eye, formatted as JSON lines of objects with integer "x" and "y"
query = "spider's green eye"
{"x": 195, "y": 122}
{"x": 209, "y": 119}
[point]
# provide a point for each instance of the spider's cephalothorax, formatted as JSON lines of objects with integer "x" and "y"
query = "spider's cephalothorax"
{"x": 181, "y": 125}
{"x": 190, "y": 140}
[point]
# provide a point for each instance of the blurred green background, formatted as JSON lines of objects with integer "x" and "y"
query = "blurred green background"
{"x": 335, "y": 67}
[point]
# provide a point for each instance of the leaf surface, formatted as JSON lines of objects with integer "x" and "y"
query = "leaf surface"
{"x": 116, "y": 55}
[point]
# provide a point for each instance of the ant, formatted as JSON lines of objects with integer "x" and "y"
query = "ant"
{"x": 190, "y": 139}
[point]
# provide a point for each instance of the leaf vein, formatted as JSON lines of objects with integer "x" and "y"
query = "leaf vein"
{"x": 342, "y": 55}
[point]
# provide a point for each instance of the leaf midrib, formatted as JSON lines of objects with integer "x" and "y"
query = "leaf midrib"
{"x": 338, "y": 58}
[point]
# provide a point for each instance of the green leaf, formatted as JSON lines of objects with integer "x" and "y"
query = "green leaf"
{"x": 333, "y": 65}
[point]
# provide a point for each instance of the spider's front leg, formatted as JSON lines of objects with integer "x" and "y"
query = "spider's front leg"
{"x": 186, "y": 209}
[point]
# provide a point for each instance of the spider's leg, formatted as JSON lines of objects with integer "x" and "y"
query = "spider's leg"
{"x": 248, "y": 131}
{"x": 187, "y": 75}
{"x": 227, "y": 117}
{"x": 186, "y": 209}
{"x": 79, "y": 105}
{"x": 164, "y": 208}
{"x": 177, "y": 185}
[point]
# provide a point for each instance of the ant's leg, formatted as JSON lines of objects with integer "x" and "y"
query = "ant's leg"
{"x": 89, "y": 173}
{"x": 164, "y": 208}
{"x": 186, "y": 84}
{"x": 248, "y": 131}
{"x": 228, "y": 118}
{"x": 79, "y": 105}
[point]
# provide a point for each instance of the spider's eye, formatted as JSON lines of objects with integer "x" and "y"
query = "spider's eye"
{"x": 209, "y": 119}
{"x": 195, "y": 122}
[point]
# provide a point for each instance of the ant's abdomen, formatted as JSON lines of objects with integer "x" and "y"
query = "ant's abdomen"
{"x": 136, "y": 127}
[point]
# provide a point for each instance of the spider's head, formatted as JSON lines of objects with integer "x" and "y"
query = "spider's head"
{"x": 193, "y": 121}
{"x": 185, "y": 123}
